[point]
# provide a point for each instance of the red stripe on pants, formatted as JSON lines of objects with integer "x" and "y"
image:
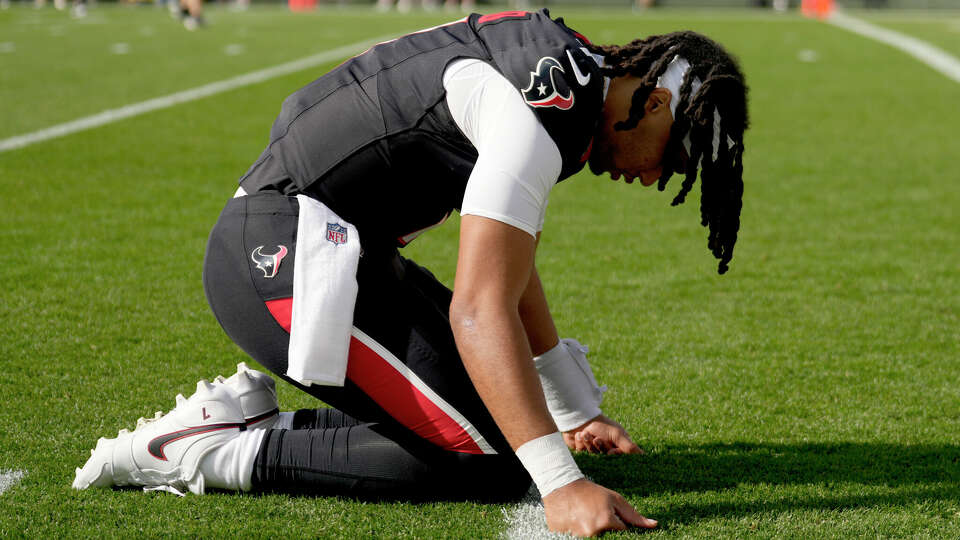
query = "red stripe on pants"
{"x": 390, "y": 389}
{"x": 282, "y": 311}
{"x": 404, "y": 402}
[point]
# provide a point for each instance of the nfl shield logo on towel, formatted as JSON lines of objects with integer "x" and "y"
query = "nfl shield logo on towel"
{"x": 336, "y": 233}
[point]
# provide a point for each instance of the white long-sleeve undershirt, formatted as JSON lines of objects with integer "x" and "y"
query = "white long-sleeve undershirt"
{"x": 518, "y": 161}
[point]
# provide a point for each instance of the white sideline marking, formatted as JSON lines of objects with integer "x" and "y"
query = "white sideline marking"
{"x": 8, "y": 479}
{"x": 930, "y": 55}
{"x": 526, "y": 520}
{"x": 163, "y": 102}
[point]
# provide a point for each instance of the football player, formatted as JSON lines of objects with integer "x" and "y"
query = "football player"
{"x": 436, "y": 394}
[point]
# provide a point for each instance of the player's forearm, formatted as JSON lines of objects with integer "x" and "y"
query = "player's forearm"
{"x": 493, "y": 345}
{"x": 535, "y": 314}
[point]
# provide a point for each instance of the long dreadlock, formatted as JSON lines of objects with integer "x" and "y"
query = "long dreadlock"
{"x": 722, "y": 94}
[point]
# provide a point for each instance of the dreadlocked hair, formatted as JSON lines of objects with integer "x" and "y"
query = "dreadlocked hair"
{"x": 722, "y": 95}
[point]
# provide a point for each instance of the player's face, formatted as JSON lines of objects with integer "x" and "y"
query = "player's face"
{"x": 634, "y": 153}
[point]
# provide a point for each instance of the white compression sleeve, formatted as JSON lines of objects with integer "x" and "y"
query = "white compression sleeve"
{"x": 518, "y": 162}
{"x": 573, "y": 395}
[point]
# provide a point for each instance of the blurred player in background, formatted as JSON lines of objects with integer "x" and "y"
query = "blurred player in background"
{"x": 405, "y": 6}
{"x": 437, "y": 394}
{"x": 78, "y": 8}
{"x": 189, "y": 12}
{"x": 462, "y": 5}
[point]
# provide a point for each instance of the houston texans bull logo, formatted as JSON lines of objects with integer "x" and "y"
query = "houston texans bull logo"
{"x": 270, "y": 264}
{"x": 545, "y": 90}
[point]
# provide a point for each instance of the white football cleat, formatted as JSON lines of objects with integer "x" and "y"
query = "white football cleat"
{"x": 258, "y": 395}
{"x": 164, "y": 452}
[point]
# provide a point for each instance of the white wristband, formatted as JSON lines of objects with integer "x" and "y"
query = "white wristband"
{"x": 549, "y": 462}
{"x": 572, "y": 393}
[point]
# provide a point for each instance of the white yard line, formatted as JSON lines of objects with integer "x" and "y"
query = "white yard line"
{"x": 135, "y": 109}
{"x": 930, "y": 55}
{"x": 8, "y": 479}
{"x": 526, "y": 520}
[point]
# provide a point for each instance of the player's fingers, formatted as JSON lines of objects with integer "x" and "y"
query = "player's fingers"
{"x": 627, "y": 446}
{"x": 607, "y": 521}
{"x": 616, "y": 524}
{"x": 592, "y": 443}
{"x": 603, "y": 446}
{"x": 580, "y": 443}
{"x": 570, "y": 439}
{"x": 630, "y": 515}
{"x": 595, "y": 528}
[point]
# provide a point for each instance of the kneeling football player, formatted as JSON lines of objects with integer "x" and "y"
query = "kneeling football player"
{"x": 436, "y": 394}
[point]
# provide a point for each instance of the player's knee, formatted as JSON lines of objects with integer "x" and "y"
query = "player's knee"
{"x": 498, "y": 477}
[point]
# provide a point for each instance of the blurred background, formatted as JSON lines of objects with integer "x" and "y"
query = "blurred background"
{"x": 527, "y": 4}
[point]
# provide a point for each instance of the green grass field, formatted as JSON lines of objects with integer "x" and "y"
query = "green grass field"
{"x": 813, "y": 391}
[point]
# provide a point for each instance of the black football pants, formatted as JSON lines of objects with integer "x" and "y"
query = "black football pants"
{"x": 408, "y": 422}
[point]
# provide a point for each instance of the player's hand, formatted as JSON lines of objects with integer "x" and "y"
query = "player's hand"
{"x": 587, "y": 509}
{"x": 601, "y": 436}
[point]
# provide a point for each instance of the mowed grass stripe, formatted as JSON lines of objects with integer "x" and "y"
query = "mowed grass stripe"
{"x": 62, "y": 69}
{"x": 207, "y": 90}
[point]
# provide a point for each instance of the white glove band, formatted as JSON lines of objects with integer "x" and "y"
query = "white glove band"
{"x": 573, "y": 396}
{"x": 549, "y": 462}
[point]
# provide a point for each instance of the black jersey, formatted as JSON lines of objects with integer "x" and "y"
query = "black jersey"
{"x": 374, "y": 140}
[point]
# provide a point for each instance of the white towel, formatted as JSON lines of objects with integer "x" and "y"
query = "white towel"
{"x": 324, "y": 295}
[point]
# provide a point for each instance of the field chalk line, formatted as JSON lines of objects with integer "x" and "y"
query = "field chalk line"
{"x": 163, "y": 102}
{"x": 8, "y": 479}
{"x": 526, "y": 520}
{"x": 930, "y": 55}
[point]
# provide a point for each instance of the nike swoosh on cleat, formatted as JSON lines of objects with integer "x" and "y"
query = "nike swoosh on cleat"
{"x": 581, "y": 78}
{"x": 155, "y": 446}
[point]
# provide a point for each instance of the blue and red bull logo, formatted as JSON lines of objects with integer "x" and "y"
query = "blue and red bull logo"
{"x": 269, "y": 264}
{"x": 336, "y": 234}
{"x": 545, "y": 89}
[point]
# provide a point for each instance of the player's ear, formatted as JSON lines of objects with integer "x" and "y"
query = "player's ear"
{"x": 659, "y": 99}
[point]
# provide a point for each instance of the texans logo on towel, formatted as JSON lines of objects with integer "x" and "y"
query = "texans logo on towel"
{"x": 270, "y": 264}
{"x": 336, "y": 233}
{"x": 545, "y": 90}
